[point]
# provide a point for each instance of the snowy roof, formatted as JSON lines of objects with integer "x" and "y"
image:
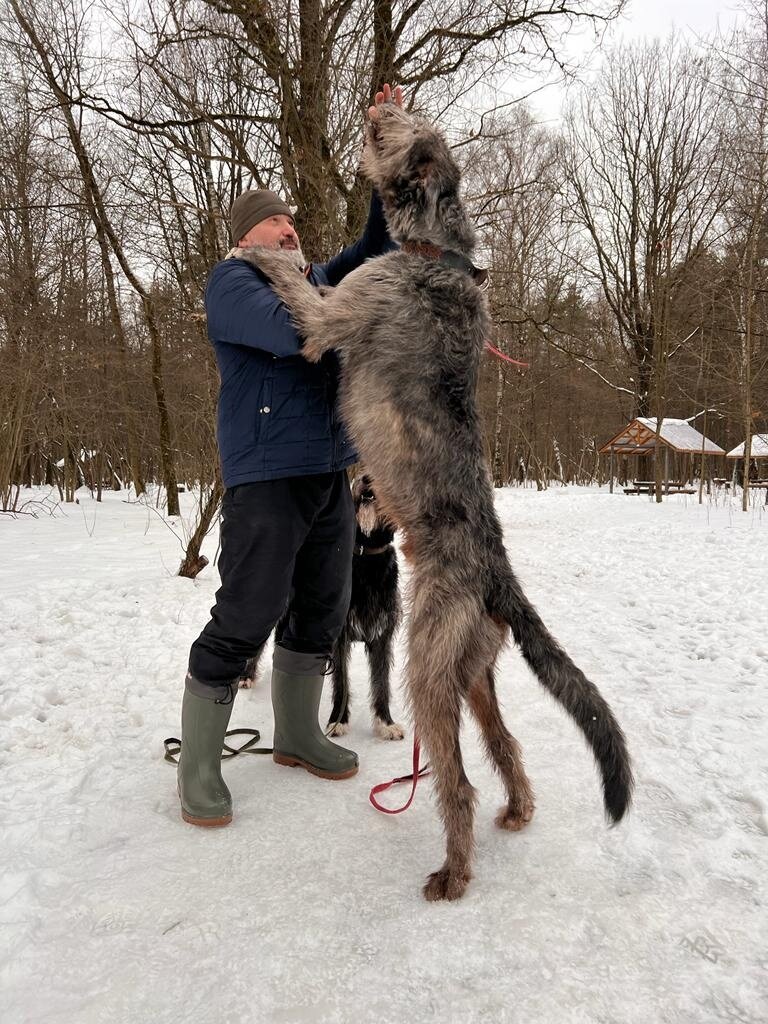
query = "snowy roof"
{"x": 640, "y": 435}
{"x": 758, "y": 448}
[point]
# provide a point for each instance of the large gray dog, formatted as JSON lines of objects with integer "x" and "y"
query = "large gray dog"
{"x": 409, "y": 328}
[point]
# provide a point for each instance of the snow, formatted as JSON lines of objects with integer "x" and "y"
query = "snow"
{"x": 758, "y": 448}
{"x": 682, "y": 436}
{"x": 307, "y": 908}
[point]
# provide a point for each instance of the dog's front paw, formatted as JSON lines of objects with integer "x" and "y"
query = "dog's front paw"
{"x": 246, "y": 684}
{"x": 513, "y": 819}
{"x": 445, "y": 885}
{"x": 388, "y": 732}
{"x": 279, "y": 266}
{"x": 312, "y": 351}
{"x": 339, "y": 729}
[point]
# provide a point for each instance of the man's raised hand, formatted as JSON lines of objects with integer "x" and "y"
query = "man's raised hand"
{"x": 385, "y": 96}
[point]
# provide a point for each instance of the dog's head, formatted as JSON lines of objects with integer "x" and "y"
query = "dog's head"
{"x": 370, "y": 522}
{"x": 410, "y": 163}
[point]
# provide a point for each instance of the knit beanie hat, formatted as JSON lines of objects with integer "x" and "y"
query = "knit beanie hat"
{"x": 252, "y": 207}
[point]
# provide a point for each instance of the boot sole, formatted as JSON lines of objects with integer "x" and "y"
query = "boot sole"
{"x": 296, "y": 762}
{"x": 206, "y": 822}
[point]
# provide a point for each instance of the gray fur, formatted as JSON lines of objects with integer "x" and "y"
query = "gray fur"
{"x": 410, "y": 333}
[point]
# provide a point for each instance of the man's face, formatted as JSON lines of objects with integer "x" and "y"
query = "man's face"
{"x": 275, "y": 232}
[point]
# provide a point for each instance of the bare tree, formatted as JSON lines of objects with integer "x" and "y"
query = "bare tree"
{"x": 648, "y": 177}
{"x": 55, "y": 33}
{"x": 745, "y": 85}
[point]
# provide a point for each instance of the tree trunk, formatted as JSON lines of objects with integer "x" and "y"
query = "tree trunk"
{"x": 193, "y": 562}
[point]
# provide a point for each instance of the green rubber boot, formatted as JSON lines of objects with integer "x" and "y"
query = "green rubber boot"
{"x": 205, "y": 713}
{"x": 297, "y": 683}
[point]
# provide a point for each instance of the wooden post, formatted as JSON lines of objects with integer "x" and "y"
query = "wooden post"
{"x": 655, "y": 456}
{"x": 611, "y": 469}
{"x": 666, "y": 469}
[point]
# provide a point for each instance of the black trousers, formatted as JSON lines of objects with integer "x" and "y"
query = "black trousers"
{"x": 284, "y": 543}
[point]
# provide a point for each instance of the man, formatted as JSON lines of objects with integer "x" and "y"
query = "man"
{"x": 287, "y": 526}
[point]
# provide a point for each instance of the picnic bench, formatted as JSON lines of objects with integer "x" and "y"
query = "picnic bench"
{"x": 680, "y": 487}
{"x": 758, "y": 485}
{"x": 667, "y": 487}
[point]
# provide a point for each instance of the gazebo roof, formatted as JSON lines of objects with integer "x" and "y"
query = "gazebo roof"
{"x": 758, "y": 448}
{"x": 639, "y": 436}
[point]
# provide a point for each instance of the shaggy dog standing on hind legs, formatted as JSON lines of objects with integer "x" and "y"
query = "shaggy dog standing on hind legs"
{"x": 410, "y": 328}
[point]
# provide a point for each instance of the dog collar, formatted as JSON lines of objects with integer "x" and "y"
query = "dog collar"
{"x": 451, "y": 258}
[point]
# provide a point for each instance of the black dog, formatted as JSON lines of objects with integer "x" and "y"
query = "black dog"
{"x": 373, "y": 617}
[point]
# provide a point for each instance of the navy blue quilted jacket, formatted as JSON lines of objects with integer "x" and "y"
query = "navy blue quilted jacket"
{"x": 277, "y": 413}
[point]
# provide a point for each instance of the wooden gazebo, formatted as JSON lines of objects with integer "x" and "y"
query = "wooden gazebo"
{"x": 676, "y": 436}
{"x": 758, "y": 449}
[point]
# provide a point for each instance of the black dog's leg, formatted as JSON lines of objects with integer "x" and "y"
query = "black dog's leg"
{"x": 250, "y": 672}
{"x": 340, "y": 710}
{"x": 280, "y": 627}
{"x": 379, "y": 653}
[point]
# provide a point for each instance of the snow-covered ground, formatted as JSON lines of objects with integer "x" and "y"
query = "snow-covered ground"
{"x": 308, "y": 907}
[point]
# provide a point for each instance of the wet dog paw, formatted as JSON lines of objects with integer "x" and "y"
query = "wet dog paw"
{"x": 514, "y": 820}
{"x": 445, "y": 885}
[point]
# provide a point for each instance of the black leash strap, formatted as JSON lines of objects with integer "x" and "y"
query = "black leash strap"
{"x": 173, "y": 745}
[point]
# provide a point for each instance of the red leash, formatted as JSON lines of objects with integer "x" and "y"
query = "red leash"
{"x": 416, "y": 774}
{"x": 500, "y": 355}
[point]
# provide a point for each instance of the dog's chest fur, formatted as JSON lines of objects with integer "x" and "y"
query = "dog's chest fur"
{"x": 375, "y": 605}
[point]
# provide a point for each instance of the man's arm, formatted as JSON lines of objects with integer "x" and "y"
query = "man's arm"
{"x": 374, "y": 241}
{"x": 243, "y": 310}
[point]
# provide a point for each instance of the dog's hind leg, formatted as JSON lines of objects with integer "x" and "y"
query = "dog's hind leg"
{"x": 456, "y": 800}
{"x": 340, "y": 710}
{"x": 504, "y": 753}
{"x": 379, "y": 653}
{"x": 436, "y": 703}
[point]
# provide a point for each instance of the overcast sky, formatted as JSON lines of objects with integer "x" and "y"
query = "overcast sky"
{"x": 657, "y": 17}
{"x": 644, "y": 19}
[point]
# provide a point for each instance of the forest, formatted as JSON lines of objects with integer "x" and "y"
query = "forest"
{"x": 626, "y": 243}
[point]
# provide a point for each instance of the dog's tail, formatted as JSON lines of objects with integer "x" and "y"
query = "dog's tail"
{"x": 571, "y": 688}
